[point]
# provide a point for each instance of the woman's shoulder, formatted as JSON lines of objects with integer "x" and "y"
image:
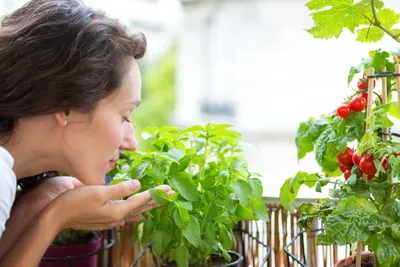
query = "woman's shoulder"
{"x": 8, "y": 186}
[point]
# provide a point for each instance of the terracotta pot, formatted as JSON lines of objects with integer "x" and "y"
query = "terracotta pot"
{"x": 349, "y": 261}
{"x": 63, "y": 252}
{"x": 236, "y": 260}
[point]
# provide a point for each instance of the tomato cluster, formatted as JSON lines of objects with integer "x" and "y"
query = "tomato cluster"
{"x": 365, "y": 163}
{"x": 358, "y": 103}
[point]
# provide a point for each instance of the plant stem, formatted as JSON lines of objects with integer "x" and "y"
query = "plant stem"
{"x": 377, "y": 23}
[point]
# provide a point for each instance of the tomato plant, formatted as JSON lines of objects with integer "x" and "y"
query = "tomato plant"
{"x": 363, "y": 205}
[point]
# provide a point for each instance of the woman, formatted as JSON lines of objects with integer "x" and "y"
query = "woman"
{"x": 69, "y": 82}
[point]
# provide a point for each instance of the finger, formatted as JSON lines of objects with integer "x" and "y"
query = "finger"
{"x": 99, "y": 226}
{"x": 122, "y": 189}
{"x": 76, "y": 182}
{"x": 136, "y": 218}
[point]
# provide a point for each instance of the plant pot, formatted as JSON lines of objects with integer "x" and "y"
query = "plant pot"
{"x": 367, "y": 260}
{"x": 64, "y": 252}
{"x": 236, "y": 260}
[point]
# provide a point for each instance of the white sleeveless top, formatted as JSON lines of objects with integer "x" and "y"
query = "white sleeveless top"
{"x": 8, "y": 186}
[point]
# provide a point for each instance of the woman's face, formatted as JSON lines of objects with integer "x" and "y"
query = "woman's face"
{"x": 92, "y": 142}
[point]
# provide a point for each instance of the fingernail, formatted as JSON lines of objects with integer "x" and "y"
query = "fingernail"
{"x": 135, "y": 184}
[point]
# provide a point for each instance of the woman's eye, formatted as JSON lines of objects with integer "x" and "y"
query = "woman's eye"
{"x": 128, "y": 120}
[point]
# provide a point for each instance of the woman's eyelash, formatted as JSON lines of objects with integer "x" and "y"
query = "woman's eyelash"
{"x": 127, "y": 119}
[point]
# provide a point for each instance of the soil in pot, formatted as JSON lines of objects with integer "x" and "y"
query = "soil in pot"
{"x": 367, "y": 260}
{"x": 217, "y": 261}
{"x": 64, "y": 251}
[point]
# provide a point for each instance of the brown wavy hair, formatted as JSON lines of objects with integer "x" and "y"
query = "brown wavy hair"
{"x": 59, "y": 55}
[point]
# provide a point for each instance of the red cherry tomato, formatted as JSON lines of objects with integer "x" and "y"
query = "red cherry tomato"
{"x": 347, "y": 174}
{"x": 365, "y": 96}
{"x": 345, "y": 158}
{"x": 343, "y": 168}
{"x": 356, "y": 159}
{"x": 362, "y": 85}
{"x": 358, "y": 104}
{"x": 343, "y": 111}
{"x": 367, "y": 165}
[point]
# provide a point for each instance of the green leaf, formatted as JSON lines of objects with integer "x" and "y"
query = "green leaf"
{"x": 160, "y": 196}
{"x": 180, "y": 166}
{"x": 211, "y": 234}
{"x": 176, "y": 153}
{"x": 326, "y": 150}
{"x": 212, "y": 213}
{"x": 388, "y": 251}
{"x": 259, "y": 209}
{"x": 181, "y": 216}
{"x": 161, "y": 241}
{"x": 158, "y": 173}
{"x": 147, "y": 231}
{"x": 290, "y": 188}
{"x": 244, "y": 213}
{"x": 243, "y": 191}
{"x": 149, "y": 132}
{"x": 307, "y": 133}
{"x": 370, "y": 34}
{"x": 394, "y": 110}
{"x": 185, "y": 186}
{"x": 331, "y": 16}
{"x": 350, "y": 221}
{"x": 192, "y": 232}
{"x": 387, "y": 17}
{"x": 140, "y": 170}
{"x": 226, "y": 239}
{"x": 182, "y": 256}
{"x": 256, "y": 187}
{"x": 230, "y": 203}
{"x": 187, "y": 205}
{"x": 379, "y": 59}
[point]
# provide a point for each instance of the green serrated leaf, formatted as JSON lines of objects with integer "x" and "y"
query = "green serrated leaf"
{"x": 331, "y": 16}
{"x": 185, "y": 186}
{"x": 326, "y": 150}
{"x": 192, "y": 231}
{"x": 387, "y": 17}
{"x": 370, "y": 34}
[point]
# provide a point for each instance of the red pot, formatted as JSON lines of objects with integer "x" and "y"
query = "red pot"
{"x": 63, "y": 252}
{"x": 350, "y": 260}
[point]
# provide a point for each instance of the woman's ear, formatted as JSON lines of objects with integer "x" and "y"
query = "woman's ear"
{"x": 62, "y": 118}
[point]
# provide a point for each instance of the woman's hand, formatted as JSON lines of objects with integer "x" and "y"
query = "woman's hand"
{"x": 101, "y": 207}
{"x": 32, "y": 203}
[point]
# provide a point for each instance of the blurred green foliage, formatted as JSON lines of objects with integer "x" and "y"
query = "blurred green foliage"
{"x": 158, "y": 94}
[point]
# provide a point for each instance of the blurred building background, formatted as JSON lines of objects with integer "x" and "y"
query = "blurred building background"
{"x": 245, "y": 62}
